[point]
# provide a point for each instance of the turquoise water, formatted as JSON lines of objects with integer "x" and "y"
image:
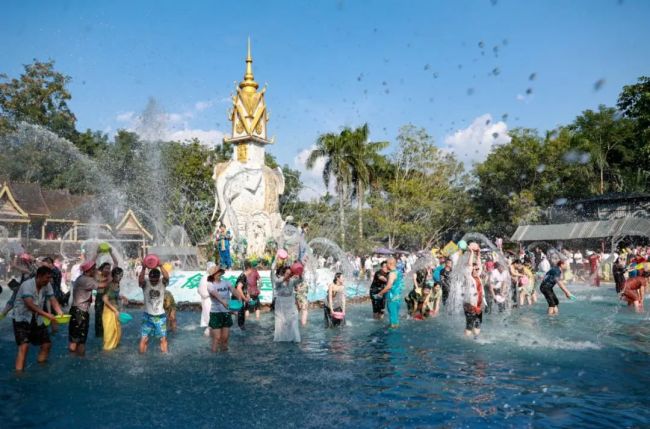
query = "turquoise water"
{"x": 586, "y": 368}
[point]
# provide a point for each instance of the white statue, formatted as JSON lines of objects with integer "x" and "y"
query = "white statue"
{"x": 247, "y": 191}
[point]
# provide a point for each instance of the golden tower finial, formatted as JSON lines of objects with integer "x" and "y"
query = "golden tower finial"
{"x": 249, "y": 84}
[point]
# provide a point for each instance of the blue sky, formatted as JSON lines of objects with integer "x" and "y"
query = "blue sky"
{"x": 456, "y": 68}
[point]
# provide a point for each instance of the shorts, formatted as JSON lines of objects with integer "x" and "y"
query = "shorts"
{"x": 79, "y": 323}
{"x": 473, "y": 320}
{"x": 378, "y": 305}
{"x": 550, "y": 296}
{"x": 153, "y": 326}
{"x": 220, "y": 320}
{"x": 31, "y": 333}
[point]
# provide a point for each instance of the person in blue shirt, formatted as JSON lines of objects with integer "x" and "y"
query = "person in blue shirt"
{"x": 223, "y": 245}
{"x": 553, "y": 277}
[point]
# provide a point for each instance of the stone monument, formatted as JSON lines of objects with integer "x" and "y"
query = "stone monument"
{"x": 247, "y": 191}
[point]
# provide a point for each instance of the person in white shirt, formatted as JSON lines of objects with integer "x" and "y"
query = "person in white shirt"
{"x": 154, "y": 320}
{"x": 367, "y": 266}
{"x": 206, "y": 302}
{"x": 498, "y": 279}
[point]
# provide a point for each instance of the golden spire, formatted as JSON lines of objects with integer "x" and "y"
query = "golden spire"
{"x": 249, "y": 84}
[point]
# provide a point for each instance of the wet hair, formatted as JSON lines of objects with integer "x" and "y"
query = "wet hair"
{"x": 383, "y": 263}
{"x": 210, "y": 278}
{"x": 560, "y": 262}
{"x": 281, "y": 270}
{"x": 155, "y": 273}
{"x": 336, "y": 277}
{"x": 104, "y": 265}
{"x": 117, "y": 271}
{"x": 247, "y": 265}
{"x": 43, "y": 271}
{"x": 48, "y": 260}
{"x": 305, "y": 225}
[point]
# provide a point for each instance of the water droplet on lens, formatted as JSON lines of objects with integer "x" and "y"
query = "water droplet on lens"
{"x": 470, "y": 91}
{"x": 529, "y": 91}
{"x": 532, "y": 76}
{"x": 599, "y": 84}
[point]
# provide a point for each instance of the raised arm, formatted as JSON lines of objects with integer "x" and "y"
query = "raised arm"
{"x": 113, "y": 257}
{"x": 141, "y": 281}
{"x": 164, "y": 272}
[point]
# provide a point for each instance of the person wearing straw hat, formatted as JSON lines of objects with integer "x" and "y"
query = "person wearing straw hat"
{"x": 220, "y": 317}
{"x": 82, "y": 297}
{"x": 33, "y": 295}
{"x": 154, "y": 319}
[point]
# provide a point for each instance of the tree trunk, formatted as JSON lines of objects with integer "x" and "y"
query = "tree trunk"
{"x": 341, "y": 214}
{"x": 360, "y": 208}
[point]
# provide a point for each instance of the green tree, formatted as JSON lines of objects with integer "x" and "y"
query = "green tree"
{"x": 39, "y": 96}
{"x": 634, "y": 103}
{"x": 423, "y": 197}
{"x": 335, "y": 149}
{"x": 190, "y": 189}
{"x": 92, "y": 143}
{"x": 607, "y": 137}
{"x": 366, "y": 162}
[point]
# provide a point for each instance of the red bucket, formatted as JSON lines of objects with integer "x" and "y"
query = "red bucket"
{"x": 151, "y": 261}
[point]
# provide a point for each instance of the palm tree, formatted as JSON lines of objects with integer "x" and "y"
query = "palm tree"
{"x": 335, "y": 149}
{"x": 365, "y": 160}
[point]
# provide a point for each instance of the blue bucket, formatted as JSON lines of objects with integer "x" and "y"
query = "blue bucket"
{"x": 235, "y": 305}
{"x": 125, "y": 317}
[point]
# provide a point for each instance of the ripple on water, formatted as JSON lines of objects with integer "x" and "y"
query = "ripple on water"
{"x": 526, "y": 370}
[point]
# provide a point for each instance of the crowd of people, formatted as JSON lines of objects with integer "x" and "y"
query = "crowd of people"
{"x": 491, "y": 282}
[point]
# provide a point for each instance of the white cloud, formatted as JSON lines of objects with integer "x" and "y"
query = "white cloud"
{"x": 200, "y": 106}
{"x": 206, "y": 137}
{"x": 473, "y": 144}
{"x": 313, "y": 186}
{"x": 125, "y": 117}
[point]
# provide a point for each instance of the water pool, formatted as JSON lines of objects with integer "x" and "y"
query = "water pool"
{"x": 587, "y": 368}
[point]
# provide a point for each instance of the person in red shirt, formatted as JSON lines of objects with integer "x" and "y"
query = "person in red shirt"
{"x": 634, "y": 290}
{"x": 253, "y": 280}
{"x": 594, "y": 269}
